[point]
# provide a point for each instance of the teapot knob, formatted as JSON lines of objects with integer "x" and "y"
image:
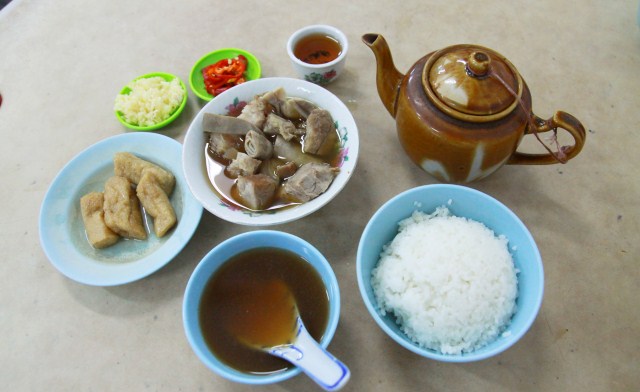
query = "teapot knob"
{"x": 478, "y": 64}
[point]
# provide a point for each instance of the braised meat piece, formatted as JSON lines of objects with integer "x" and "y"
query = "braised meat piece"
{"x": 254, "y": 112}
{"x": 292, "y": 151}
{"x": 257, "y": 190}
{"x": 257, "y": 146}
{"x": 276, "y": 98}
{"x": 225, "y": 146}
{"x": 276, "y": 125}
{"x": 216, "y": 123}
{"x": 297, "y": 108}
{"x": 286, "y": 170}
{"x": 309, "y": 182}
{"x": 319, "y": 127}
{"x": 243, "y": 165}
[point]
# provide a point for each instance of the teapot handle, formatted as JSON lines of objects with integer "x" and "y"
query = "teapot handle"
{"x": 559, "y": 120}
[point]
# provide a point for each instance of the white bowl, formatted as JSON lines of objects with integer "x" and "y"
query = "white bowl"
{"x": 193, "y": 150}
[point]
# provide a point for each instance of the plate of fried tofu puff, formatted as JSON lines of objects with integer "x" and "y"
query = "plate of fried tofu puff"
{"x": 119, "y": 211}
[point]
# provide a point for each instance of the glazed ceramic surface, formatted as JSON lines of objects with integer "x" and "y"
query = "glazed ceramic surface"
{"x": 462, "y": 111}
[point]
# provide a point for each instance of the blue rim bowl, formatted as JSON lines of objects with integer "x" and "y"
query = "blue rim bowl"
{"x": 472, "y": 204}
{"x": 215, "y": 259}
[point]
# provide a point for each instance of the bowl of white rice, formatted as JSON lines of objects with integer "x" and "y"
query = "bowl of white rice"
{"x": 450, "y": 273}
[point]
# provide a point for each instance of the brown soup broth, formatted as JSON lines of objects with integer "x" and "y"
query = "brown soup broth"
{"x": 317, "y": 49}
{"x": 225, "y": 186}
{"x": 240, "y": 278}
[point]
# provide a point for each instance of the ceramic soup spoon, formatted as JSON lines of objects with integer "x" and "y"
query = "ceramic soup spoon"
{"x": 284, "y": 335}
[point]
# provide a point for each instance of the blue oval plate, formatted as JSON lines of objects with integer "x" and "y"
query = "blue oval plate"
{"x": 62, "y": 233}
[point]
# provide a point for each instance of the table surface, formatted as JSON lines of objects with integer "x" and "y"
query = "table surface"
{"x": 62, "y": 64}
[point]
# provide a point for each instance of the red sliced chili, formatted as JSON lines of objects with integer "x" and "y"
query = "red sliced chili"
{"x": 224, "y": 74}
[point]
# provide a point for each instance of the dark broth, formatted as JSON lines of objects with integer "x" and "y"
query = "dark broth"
{"x": 225, "y": 186}
{"x": 242, "y": 293}
{"x": 317, "y": 49}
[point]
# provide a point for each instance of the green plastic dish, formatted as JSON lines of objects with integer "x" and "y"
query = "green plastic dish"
{"x": 196, "y": 81}
{"x": 168, "y": 77}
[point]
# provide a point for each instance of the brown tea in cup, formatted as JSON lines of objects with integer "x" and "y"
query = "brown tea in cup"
{"x": 317, "y": 48}
{"x": 318, "y": 53}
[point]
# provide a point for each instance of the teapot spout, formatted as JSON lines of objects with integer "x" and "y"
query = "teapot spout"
{"x": 388, "y": 78}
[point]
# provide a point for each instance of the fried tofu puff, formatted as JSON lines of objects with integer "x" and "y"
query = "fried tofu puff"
{"x": 122, "y": 212}
{"x": 98, "y": 233}
{"x": 131, "y": 167}
{"x": 156, "y": 203}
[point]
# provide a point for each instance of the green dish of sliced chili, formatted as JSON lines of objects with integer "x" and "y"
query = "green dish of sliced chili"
{"x": 222, "y": 69}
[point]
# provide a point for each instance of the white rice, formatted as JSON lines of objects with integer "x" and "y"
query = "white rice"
{"x": 151, "y": 100}
{"x": 449, "y": 281}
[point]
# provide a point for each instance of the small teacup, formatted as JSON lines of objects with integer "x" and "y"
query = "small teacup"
{"x": 318, "y": 53}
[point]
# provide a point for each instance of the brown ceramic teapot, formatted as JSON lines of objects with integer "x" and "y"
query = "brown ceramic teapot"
{"x": 462, "y": 111}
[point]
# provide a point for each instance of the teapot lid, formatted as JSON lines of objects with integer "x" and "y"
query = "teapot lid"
{"x": 472, "y": 83}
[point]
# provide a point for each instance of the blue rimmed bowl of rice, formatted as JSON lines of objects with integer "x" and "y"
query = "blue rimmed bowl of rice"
{"x": 450, "y": 273}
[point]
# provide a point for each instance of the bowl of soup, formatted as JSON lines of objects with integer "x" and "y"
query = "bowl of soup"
{"x": 238, "y": 270}
{"x": 270, "y": 151}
